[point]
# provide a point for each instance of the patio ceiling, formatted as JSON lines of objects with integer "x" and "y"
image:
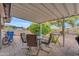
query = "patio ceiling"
{"x": 42, "y": 12}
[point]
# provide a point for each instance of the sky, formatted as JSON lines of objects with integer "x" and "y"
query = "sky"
{"x": 19, "y": 22}
{"x": 67, "y": 25}
{"x": 77, "y": 21}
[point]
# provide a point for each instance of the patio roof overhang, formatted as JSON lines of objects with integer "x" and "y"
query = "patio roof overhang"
{"x": 42, "y": 12}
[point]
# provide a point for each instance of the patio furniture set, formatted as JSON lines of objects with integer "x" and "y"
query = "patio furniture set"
{"x": 31, "y": 40}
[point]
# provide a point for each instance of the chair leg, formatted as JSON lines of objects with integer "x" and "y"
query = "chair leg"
{"x": 40, "y": 49}
{"x": 29, "y": 51}
{"x": 37, "y": 52}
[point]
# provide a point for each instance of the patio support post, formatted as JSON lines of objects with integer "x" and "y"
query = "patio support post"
{"x": 63, "y": 32}
{"x": 41, "y": 30}
{"x": 40, "y": 33}
{"x": 0, "y": 32}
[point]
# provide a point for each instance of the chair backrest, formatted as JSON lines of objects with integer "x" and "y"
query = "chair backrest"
{"x": 55, "y": 38}
{"x": 77, "y": 39}
{"x": 23, "y": 37}
{"x": 10, "y": 35}
{"x": 31, "y": 40}
{"x": 50, "y": 37}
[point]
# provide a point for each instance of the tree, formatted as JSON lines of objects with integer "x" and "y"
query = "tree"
{"x": 35, "y": 28}
{"x": 46, "y": 28}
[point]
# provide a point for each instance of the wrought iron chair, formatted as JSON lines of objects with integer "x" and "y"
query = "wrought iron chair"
{"x": 31, "y": 42}
{"x": 77, "y": 39}
{"x": 5, "y": 40}
{"x": 23, "y": 37}
{"x": 46, "y": 43}
{"x": 8, "y": 39}
{"x": 24, "y": 41}
{"x": 55, "y": 39}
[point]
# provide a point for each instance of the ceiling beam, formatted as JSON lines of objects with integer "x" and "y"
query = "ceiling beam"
{"x": 65, "y": 7}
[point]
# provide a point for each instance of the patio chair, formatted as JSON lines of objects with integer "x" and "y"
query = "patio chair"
{"x": 46, "y": 43}
{"x": 10, "y": 35}
{"x": 23, "y": 37}
{"x": 77, "y": 39}
{"x": 24, "y": 41}
{"x": 55, "y": 39}
{"x": 8, "y": 38}
{"x": 11, "y": 42}
{"x": 5, "y": 40}
{"x": 31, "y": 42}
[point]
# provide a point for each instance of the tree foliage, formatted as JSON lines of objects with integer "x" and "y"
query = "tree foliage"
{"x": 71, "y": 20}
{"x": 35, "y": 28}
{"x": 46, "y": 28}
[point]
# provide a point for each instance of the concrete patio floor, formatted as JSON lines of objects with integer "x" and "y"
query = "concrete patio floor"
{"x": 70, "y": 49}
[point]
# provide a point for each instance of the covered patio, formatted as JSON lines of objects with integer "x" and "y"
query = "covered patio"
{"x": 40, "y": 13}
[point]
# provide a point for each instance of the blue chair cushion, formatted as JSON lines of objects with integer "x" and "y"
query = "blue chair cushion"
{"x": 10, "y": 35}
